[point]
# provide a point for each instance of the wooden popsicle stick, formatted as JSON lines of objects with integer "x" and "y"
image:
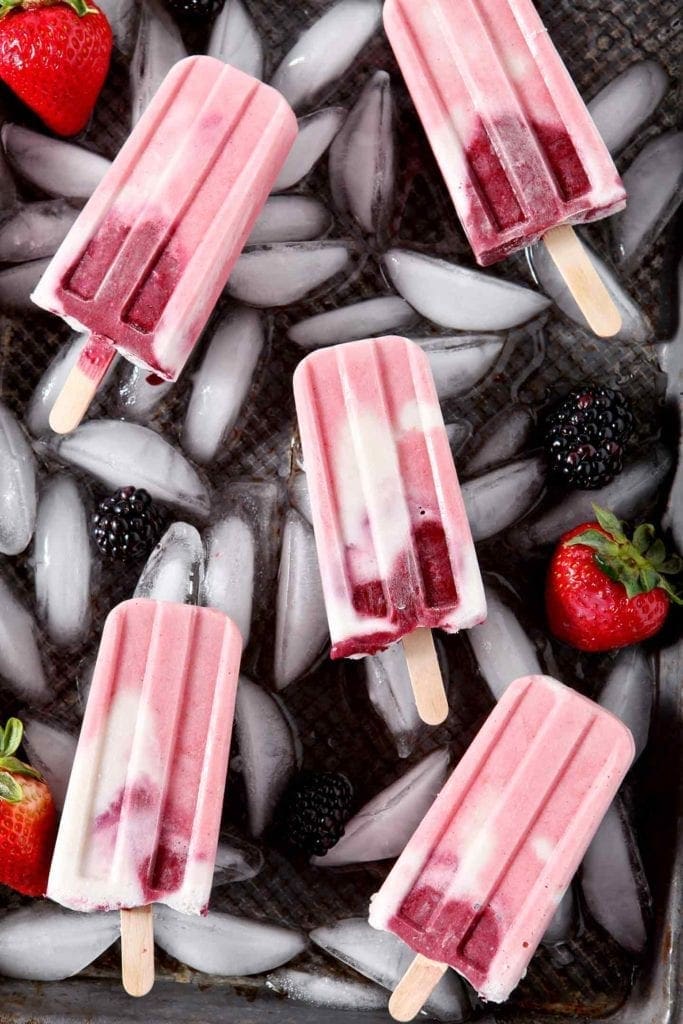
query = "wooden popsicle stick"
{"x": 137, "y": 950}
{"x": 415, "y": 987}
{"x": 80, "y": 386}
{"x": 425, "y": 676}
{"x": 579, "y": 273}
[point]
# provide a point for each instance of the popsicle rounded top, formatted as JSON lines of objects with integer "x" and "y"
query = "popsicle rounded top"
{"x": 147, "y": 258}
{"x": 480, "y": 879}
{"x": 142, "y": 812}
{"x": 393, "y": 540}
{"x": 518, "y": 150}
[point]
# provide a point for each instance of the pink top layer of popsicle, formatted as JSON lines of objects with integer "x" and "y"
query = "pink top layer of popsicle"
{"x": 393, "y": 540}
{"x": 513, "y": 138}
{"x": 147, "y": 259}
{"x": 142, "y": 813}
{"x": 482, "y": 876}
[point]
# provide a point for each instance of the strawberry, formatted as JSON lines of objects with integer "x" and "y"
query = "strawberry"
{"x": 55, "y": 57}
{"x": 605, "y": 590}
{"x": 28, "y": 821}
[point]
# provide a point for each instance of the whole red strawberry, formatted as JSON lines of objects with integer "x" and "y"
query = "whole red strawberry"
{"x": 605, "y": 590}
{"x": 55, "y": 57}
{"x": 28, "y": 822}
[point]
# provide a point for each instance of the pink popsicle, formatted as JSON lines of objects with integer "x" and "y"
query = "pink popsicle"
{"x": 479, "y": 881}
{"x": 393, "y": 540}
{"x": 513, "y": 138}
{"x": 143, "y": 808}
{"x": 144, "y": 264}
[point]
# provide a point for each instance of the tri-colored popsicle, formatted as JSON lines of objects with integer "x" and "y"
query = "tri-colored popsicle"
{"x": 394, "y": 544}
{"x": 146, "y": 260}
{"x": 142, "y": 812}
{"x": 478, "y": 883}
{"x": 518, "y": 150}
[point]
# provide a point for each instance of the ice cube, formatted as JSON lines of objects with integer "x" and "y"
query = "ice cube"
{"x": 613, "y": 881}
{"x": 35, "y": 230}
{"x": 362, "y": 164}
{"x": 276, "y": 275}
{"x": 175, "y": 569}
{"x": 301, "y": 629}
{"x": 122, "y": 15}
{"x": 17, "y": 486}
{"x": 316, "y": 132}
{"x": 17, "y": 284}
{"x": 224, "y": 945}
{"x": 503, "y": 496}
{"x": 327, "y": 990}
{"x": 503, "y": 650}
{"x": 51, "y": 750}
{"x": 62, "y": 558}
{"x": 654, "y": 183}
{"x": 20, "y": 662}
{"x": 267, "y": 749}
{"x": 326, "y": 50}
{"x": 290, "y": 219}
{"x": 382, "y": 827}
{"x": 457, "y": 297}
{"x": 459, "y": 363}
{"x": 55, "y": 167}
{"x": 137, "y": 396}
{"x": 391, "y": 694}
{"x": 43, "y": 942}
{"x": 628, "y": 692}
{"x": 222, "y": 382}
{"x": 236, "y": 861}
{"x": 563, "y": 921}
{"x": 127, "y": 454}
{"x": 158, "y": 47}
{"x": 627, "y": 101}
{"x": 502, "y": 438}
{"x": 234, "y": 39}
{"x": 230, "y": 568}
{"x": 380, "y": 315}
{"x": 626, "y": 495}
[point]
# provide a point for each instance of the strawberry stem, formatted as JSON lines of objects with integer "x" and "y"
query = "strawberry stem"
{"x": 10, "y": 790}
{"x": 10, "y": 740}
{"x": 81, "y": 7}
{"x": 640, "y": 564}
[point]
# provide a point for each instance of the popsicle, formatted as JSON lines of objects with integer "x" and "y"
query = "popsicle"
{"x": 394, "y": 544}
{"x": 147, "y": 258}
{"x": 143, "y": 808}
{"x": 520, "y": 154}
{"x": 481, "y": 878}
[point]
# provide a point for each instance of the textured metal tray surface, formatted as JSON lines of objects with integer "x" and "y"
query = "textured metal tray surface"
{"x": 338, "y": 729}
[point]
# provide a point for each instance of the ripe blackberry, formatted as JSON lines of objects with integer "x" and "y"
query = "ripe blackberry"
{"x": 127, "y": 525}
{"x": 585, "y": 436}
{"x": 194, "y": 10}
{"x": 315, "y": 810}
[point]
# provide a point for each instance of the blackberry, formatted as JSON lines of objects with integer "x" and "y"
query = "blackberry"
{"x": 315, "y": 811}
{"x": 127, "y": 525}
{"x": 585, "y": 436}
{"x": 195, "y": 10}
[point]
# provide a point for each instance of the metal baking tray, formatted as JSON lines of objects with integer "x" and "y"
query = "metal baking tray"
{"x": 598, "y": 39}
